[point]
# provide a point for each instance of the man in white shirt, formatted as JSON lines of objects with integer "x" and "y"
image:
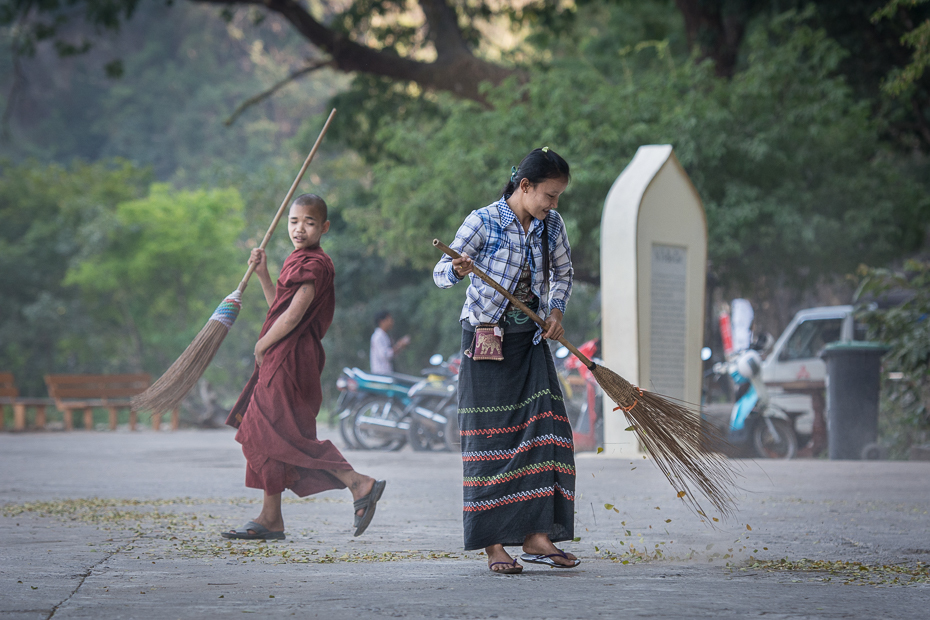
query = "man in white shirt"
{"x": 382, "y": 350}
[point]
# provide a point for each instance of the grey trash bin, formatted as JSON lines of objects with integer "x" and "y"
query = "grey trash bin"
{"x": 853, "y": 385}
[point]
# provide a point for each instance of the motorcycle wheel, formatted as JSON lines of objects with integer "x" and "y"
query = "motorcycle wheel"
{"x": 782, "y": 444}
{"x": 398, "y": 443}
{"x": 451, "y": 438}
{"x": 346, "y": 428}
{"x": 370, "y": 439}
{"x": 421, "y": 438}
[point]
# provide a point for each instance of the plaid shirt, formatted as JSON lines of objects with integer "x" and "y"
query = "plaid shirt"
{"x": 495, "y": 241}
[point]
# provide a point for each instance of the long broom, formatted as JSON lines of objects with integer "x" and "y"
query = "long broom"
{"x": 669, "y": 430}
{"x": 171, "y": 388}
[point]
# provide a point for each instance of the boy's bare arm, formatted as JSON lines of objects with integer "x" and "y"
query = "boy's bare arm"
{"x": 287, "y": 321}
{"x": 261, "y": 270}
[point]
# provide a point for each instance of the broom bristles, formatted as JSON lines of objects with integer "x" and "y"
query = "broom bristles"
{"x": 672, "y": 433}
{"x": 171, "y": 388}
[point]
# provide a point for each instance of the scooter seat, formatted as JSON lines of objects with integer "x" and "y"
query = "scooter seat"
{"x": 366, "y": 376}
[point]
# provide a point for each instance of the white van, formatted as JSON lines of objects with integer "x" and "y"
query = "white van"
{"x": 794, "y": 360}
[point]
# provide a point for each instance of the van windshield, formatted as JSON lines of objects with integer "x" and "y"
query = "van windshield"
{"x": 810, "y": 337}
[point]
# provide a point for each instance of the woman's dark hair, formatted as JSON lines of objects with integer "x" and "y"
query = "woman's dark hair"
{"x": 536, "y": 167}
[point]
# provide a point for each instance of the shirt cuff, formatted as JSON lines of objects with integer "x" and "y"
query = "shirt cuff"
{"x": 557, "y": 303}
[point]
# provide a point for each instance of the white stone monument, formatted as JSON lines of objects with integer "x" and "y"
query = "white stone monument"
{"x": 653, "y": 272}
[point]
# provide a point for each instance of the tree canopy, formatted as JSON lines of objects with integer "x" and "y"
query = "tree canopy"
{"x": 805, "y": 164}
{"x": 454, "y": 46}
{"x": 428, "y": 42}
{"x": 43, "y": 208}
{"x": 790, "y": 166}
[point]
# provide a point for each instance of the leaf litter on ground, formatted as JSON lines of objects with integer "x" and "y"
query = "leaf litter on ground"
{"x": 162, "y": 534}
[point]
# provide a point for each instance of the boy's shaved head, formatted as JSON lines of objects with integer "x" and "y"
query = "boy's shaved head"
{"x": 314, "y": 202}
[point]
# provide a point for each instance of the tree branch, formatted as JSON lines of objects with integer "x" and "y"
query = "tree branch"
{"x": 251, "y": 101}
{"x": 456, "y": 69}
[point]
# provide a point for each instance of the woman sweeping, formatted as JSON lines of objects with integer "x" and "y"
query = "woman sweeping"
{"x": 517, "y": 452}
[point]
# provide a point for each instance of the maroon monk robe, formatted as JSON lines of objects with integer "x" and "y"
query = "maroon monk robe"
{"x": 276, "y": 412}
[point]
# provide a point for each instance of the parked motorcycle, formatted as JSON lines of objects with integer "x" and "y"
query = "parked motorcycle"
{"x": 349, "y": 399}
{"x": 754, "y": 424}
{"x": 377, "y": 422}
{"x": 384, "y": 412}
{"x": 433, "y": 410}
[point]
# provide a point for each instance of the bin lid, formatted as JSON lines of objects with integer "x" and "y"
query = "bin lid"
{"x": 842, "y": 347}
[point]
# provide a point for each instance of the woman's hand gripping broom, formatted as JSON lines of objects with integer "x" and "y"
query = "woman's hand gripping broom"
{"x": 171, "y": 388}
{"x": 669, "y": 430}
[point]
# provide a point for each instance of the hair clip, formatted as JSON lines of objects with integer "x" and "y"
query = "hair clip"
{"x": 513, "y": 173}
{"x": 545, "y": 149}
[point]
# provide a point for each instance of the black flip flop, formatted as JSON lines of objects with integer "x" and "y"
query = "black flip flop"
{"x": 260, "y": 533}
{"x": 368, "y": 504}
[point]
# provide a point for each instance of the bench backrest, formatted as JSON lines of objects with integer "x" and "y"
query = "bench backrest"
{"x": 8, "y": 385}
{"x": 118, "y": 387}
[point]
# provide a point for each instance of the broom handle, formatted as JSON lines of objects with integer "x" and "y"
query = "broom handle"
{"x": 516, "y": 302}
{"x": 287, "y": 200}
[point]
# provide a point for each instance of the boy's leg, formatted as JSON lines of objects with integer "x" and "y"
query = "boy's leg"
{"x": 359, "y": 484}
{"x": 271, "y": 516}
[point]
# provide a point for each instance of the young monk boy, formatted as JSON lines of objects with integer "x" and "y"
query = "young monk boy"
{"x": 276, "y": 413}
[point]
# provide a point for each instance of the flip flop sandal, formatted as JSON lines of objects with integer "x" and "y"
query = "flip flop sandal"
{"x": 514, "y": 568}
{"x": 261, "y": 533}
{"x": 368, "y": 504}
{"x": 548, "y": 561}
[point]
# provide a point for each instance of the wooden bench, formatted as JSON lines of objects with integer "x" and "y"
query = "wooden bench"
{"x": 110, "y": 392}
{"x": 9, "y": 395}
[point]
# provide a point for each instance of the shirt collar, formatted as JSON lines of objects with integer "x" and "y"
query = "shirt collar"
{"x": 507, "y": 216}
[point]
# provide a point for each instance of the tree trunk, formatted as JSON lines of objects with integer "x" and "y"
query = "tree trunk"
{"x": 716, "y": 27}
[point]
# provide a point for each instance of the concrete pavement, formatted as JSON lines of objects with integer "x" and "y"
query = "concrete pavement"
{"x": 125, "y": 525}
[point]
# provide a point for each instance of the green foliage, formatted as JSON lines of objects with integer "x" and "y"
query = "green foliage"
{"x": 43, "y": 208}
{"x": 35, "y": 22}
{"x": 157, "y": 268}
{"x": 918, "y": 39}
{"x": 791, "y": 168}
{"x": 371, "y": 107}
{"x": 182, "y": 72}
{"x": 905, "y": 328}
